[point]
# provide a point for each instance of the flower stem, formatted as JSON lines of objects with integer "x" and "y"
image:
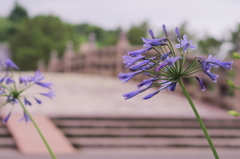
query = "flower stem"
{"x": 39, "y": 132}
{"x": 199, "y": 119}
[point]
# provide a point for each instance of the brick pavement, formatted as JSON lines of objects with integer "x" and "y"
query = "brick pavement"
{"x": 82, "y": 94}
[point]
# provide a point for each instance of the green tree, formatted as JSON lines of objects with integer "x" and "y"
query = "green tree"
{"x": 103, "y": 37}
{"x": 235, "y": 38}
{"x": 137, "y": 31}
{"x": 37, "y": 37}
{"x": 18, "y": 13}
{"x": 209, "y": 45}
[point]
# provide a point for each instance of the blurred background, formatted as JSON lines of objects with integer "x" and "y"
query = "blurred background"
{"x": 79, "y": 45}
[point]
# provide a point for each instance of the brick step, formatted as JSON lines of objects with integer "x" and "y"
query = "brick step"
{"x": 152, "y": 142}
{"x": 151, "y": 133}
{"x": 148, "y": 132}
{"x": 4, "y": 132}
{"x": 142, "y": 123}
{"x": 7, "y": 142}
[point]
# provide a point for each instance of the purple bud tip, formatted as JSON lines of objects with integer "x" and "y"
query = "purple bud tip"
{"x": 151, "y": 34}
{"x": 177, "y": 32}
{"x": 164, "y": 29}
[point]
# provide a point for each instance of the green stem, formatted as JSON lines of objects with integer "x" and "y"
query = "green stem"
{"x": 199, "y": 119}
{"x": 39, "y": 132}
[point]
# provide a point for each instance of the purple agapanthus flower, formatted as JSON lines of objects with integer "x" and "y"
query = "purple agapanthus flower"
{"x": 139, "y": 52}
{"x": 164, "y": 29}
{"x": 38, "y": 101}
{"x": 140, "y": 64}
{"x": 2, "y": 79}
{"x": 154, "y": 42}
{"x": 165, "y": 85}
{"x": 25, "y": 118}
{"x": 131, "y": 60}
{"x": 46, "y": 85}
{"x": 25, "y": 80}
{"x": 11, "y": 99}
{"x": 49, "y": 94}
{"x": 134, "y": 93}
{"x": 212, "y": 61}
{"x": 10, "y": 64}
{"x": 14, "y": 91}
{"x": 151, "y": 34}
{"x": 147, "y": 83}
{"x": 173, "y": 68}
{"x": 6, "y": 118}
{"x": 177, "y": 32}
{"x": 168, "y": 62}
{"x": 148, "y": 66}
{"x": 124, "y": 77}
{"x": 206, "y": 65}
{"x": 201, "y": 83}
{"x": 166, "y": 55}
{"x": 27, "y": 102}
{"x": 38, "y": 76}
{"x": 9, "y": 80}
{"x": 185, "y": 43}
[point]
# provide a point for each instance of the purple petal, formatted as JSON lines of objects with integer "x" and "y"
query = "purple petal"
{"x": 151, "y": 34}
{"x": 201, "y": 83}
{"x": 6, "y": 118}
{"x": 134, "y": 93}
{"x": 26, "y": 102}
{"x": 185, "y": 37}
{"x": 161, "y": 66}
{"x": 10, "y": 64}
{"x": 25, "y": 118}
{"x": 164, "y": 29}
{"x": 38, "y": 101}
{"x": 177, "y": 32}
{"x": 49, "y": 94}
{"x": 192, "y": 47}
{"x": 178, "y": 46}
{"x": 46, "y": 85}
{"x": 151, "y": 95}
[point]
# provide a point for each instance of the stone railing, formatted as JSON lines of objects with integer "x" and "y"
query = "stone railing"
{"x": 108, "y": 61}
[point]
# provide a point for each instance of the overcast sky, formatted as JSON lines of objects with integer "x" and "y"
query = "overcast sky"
{"x": 215, "y": 17}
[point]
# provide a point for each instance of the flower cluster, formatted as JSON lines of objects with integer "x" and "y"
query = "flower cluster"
{"x": 165, "y": 69}
{"x": 13, "y": 90}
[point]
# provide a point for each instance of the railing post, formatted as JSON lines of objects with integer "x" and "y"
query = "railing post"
{"x": 68, "y": 57}
{"x": 121, "y": 49}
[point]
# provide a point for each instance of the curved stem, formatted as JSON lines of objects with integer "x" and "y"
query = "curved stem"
{"x": 199, "y": 119}
{"x": 38, "y": 130}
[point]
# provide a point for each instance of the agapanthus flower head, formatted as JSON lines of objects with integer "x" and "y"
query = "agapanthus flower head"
{"x": 14, "y": 91}
{"x": 167, "y": 67}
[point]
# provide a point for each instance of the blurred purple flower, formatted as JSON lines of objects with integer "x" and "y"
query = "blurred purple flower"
{"x": 9, "y": 81}
{"x": 185, "y": 43}
{"x": 49, "y": 94}
{"x": 124, "y": 77}
{"x": 25, "y": 117}
{"x": 10, "y": 64}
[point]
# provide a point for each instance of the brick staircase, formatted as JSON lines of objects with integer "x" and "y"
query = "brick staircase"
{"x": 93, "y": 132}
{"x": 6, "y": 140}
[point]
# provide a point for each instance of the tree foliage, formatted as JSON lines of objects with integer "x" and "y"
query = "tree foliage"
{"x": 137, "y": 31}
